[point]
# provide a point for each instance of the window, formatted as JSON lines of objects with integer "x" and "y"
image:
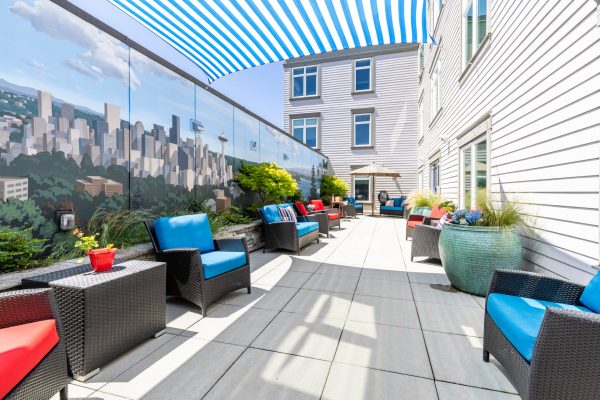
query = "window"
{"x": 304, "y": 81}
{"x": 434, "y": 179}
{"x": 421, "y": 58}
{"x": 420, "y": 180}
{"x": 362, "y": 188}
{"x": 421, "y": 121}
{"x": 362, "y": 75}
{"x": 436, "y": 8}
{"x": 305, "y": 130}
{"x": 474, "y": 172}
{"x": 475, "y": 27}
{"x": 436, "y": 90}
{"x": 362, "y": 130}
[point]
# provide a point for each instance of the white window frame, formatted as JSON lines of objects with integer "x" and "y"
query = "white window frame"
{"x": 475, "y": 43}
{"x": 436, "y": 11}
{"x": 370, "y": 123}
{"x": 432, "y": 183}
{"x": 420, "y": 180}
{"x": 304, "y": 126}
{"x": 303, "y": 75}
{"x": 473, "y": 147}
{"x": 421, "y": 54}
{"x": 362, "y": 178}
{"x": 370, "y": 68}
{"x": 435, "y": 97}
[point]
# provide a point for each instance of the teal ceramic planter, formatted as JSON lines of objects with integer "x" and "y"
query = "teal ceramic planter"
{"x": 471, "y": 253}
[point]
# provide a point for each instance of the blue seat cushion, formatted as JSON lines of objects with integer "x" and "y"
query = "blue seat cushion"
{"x": 390, "y": 208}
{"x": 591, "y": 294}
{"x": 185, "y": 231}
{"x": 358, "y": 206}
{"x": 304, "y": 228}
{"x": 270, "y": 213}
{"x": 520, "y": 318}
{"x": 399, "y": 202}
{"x": 216, "y": 263}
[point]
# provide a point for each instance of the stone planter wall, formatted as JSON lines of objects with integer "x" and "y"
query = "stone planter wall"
{"x": 253, "y": 232}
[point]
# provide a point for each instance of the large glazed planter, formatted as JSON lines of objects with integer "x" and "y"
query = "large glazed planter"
{"x": 471, "y": 253}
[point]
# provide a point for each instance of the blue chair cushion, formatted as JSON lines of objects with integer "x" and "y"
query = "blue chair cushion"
{"x": 305, "y": 228}
{"x": 350, "y": 200}
{"x": 591, "y": 294}
{"x": 185, "y": 231}
{"x": 520, "y": 318}
{"x": 399, "y": 202}
{"x": 270, "y": 213}
{"x": 216, "y": 263}
{"x": 358, "y": 206}
{"x": 390, "y": 208}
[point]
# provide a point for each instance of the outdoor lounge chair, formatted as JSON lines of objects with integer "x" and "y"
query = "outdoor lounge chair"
{"x": 333, "y": 214}
{"x": 33, "y": 359}
{"x": 422, "y": 215}
{"x": 546, "y": 333}
{"x": 319, "y": 217}
{"x": 357, "y": 208}
{"x": 288, "y": 235}
{"x": 396, "y": 210}
{"x": 199, "y": 269}
{"x": 425, "y": 241}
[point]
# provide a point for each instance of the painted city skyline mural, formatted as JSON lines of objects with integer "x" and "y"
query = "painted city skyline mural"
{"x": 87, "y": 123}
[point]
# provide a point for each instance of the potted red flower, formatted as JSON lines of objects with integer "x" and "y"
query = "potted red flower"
{"x": 101, "y": 259}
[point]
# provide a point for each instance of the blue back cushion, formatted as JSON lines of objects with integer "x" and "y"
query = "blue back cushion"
{"x": 350, "y": 200}
{"x": 186, "y": 231}
{"x": 399, "y": 201}
{"x": 520, "y": 318}
{"x": 270, "y": 213}
{"x": 591, "y": 294}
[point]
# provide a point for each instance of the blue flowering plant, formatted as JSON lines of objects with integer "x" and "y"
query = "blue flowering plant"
{"x": 466, "y": 217}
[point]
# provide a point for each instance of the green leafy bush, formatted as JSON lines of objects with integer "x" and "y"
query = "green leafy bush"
{"x": 122, "y": 228}
{"x": 506, "y": 215}
{"x": 423, "y": 198}
{"x": 333, "y": 186}
{"x": 18, "y": 249}
{"x": 269, "y": 181}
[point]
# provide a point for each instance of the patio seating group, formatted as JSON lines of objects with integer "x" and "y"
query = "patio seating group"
{"x": 392, "y": 206}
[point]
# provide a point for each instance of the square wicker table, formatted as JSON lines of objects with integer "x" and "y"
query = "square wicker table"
{"x": 108, "y": 313}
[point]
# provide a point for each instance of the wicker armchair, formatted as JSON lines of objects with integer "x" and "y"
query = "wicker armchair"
{"x": 334, "y": 215}
{"x": 564, "y": 362}
{"x": 425, "y": 242}
{"x": 49, "y": 375}
{"x": 423, "y": 215}
{"x": 319, "y": 217}
{"x": 186, "y": 276}
{"x": 287, "y": 235}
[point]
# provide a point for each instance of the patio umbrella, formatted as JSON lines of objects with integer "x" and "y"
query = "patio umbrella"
{"x": 375, "y": 170}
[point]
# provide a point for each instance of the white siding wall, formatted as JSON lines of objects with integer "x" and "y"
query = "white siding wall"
{"x": 540, "y": 80}
{"x": 395, "y": 103}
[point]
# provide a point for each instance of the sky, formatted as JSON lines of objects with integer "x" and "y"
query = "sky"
{"x": 63, "y": 48}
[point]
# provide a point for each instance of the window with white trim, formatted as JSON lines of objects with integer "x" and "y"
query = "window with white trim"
{"x": 362, "y": 188}
{"x": 434, "y": 177}
{"x": 362, "y": 130}
{"x": 420, "y": 180}
{"x": 306, "y": 131}
{"x": 475, "y": 27}
{"x": 436, "y": 90}
{"x": 421, "y": 58}
{"x": 305, "y": 81}
{"x": 436, "y": 8}
{"x": 474, "y": 172}
{"x": 362, "y": 75}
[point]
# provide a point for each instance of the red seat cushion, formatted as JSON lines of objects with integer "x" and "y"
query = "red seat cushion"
{"x": 333, "y": 216}
{"x": 301, "y": 208}
{"x": 22, "y": 347}
{"x": 319, "y": 206}
{"x": 412, "y": 224}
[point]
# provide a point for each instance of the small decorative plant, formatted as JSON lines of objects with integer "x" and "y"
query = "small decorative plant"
{"x": 101, "y": 258}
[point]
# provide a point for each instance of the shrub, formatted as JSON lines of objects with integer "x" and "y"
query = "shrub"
{"x": 504, "y": 216}
{"x": 333, "y": 186}
{"x": 18, "y": 249}
{"x": 424, "y": 198}
{"x": 268, "y": 180}
{"x": 122, "y": 228}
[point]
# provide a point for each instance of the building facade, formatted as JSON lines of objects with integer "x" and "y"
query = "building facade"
{"x": 510, "y": 106}
{"x": 358, "y": 107}
{"x": 14, "y": 188}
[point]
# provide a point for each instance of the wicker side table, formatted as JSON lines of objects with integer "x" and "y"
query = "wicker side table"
{"x": 425, "y": 241}
{"x": 108, "y": 313}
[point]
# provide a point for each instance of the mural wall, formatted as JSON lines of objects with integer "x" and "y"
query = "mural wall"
{"x": 87, "y": 122}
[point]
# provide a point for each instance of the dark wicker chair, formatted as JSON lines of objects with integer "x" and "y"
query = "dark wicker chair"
{"x": 304, "y": 216}
{"x": 425, "y": 241}
{"x": 352, "y": 208}
{"x": 50, "y": 375}
{"x": 334, "y": 215}
{"x": 185, "y": 274}
{"x": 565, "y": 362}
{"x": 284, "y": 235}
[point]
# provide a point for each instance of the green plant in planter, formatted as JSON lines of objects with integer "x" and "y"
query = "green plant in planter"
{"x": 476, "y": 242}
{"x": 269, "y": 181}
{"x": 423, "y": 198}
{"x": 19, "y": 250}
{"x": 333, "y": 186}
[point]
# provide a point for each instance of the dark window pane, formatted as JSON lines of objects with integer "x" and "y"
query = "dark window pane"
{"x": 311, "y": 85}
{"x": 363, "y": 63}
{"x": 298, "y": 71}
{"x": 311, "y": 70}
{"x": 481, "y": 20}
{"x": 467, "y": 177}
{"x": 362, "y": 117}
{"x": 311, "y": 137}
{"x": 362, "y": 134}
{"x": 298, "y": 133}
{"x": 469, "y": 33}
{"x": 361, "y": 189}
{"x": 298, "y": 86}
{"x": 363, "y": 79}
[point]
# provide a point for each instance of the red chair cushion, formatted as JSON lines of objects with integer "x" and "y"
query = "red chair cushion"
{"x": 333, "y": 216}
{"x": 301, "y": 208}
{"x": 22, "y": 347}
{"x": 319, "y": 206}
{"x": 436, "y": 212}
{"x": 412, "y": 224}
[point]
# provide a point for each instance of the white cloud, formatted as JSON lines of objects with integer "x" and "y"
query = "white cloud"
{"x": 77, "y": 65}
{"x": 39, "y": 67}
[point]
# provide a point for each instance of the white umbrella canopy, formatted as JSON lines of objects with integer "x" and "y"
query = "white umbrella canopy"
{"x": 375, "y": 170}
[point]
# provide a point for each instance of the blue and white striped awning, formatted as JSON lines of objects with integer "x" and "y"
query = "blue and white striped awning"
{"x": 224, "y": 36}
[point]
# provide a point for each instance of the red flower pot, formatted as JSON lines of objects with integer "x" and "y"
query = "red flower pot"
{"x": 102, "y": 259}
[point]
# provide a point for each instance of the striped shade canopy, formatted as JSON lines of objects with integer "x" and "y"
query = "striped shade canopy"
{"x": 224, "y": 36}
